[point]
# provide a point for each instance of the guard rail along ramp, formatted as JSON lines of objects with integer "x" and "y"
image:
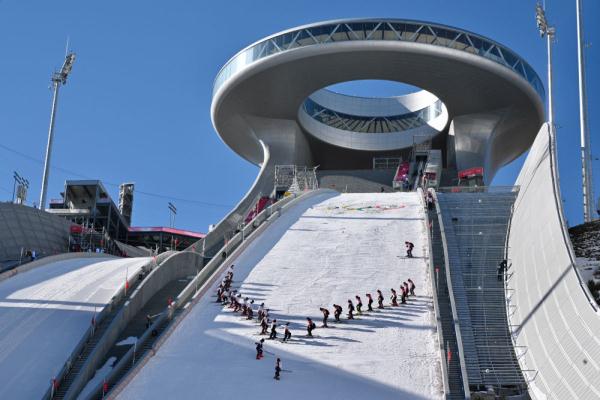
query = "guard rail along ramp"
{"x": 82, "y": 365}
{"x": 554, "y": 315}
{"x": 164, "y": 325}
{"x": 95, "y": 334}
{"x": 453, "y": 368}
{"x": 475, "y": 223}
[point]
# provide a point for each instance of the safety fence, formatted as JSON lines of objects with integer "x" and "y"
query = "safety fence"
{"x": 165, "y": 324}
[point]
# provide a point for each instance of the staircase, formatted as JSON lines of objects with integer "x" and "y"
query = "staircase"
{"x": 475, "y": 226}
{"x": 101, "y": 327}
{"x": 144, "y": 345}
{"x": 455, "y": 382}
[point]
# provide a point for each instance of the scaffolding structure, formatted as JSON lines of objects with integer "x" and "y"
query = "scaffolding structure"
{"x": 295, "y": 178}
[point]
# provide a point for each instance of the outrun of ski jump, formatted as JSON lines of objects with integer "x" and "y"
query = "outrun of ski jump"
{"x": 325, "y": 251}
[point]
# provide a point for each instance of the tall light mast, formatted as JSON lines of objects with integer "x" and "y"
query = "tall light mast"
{"x": 549, "y": 32}
{"x": 58, "y": 78}
{"x": 586, "y": 164}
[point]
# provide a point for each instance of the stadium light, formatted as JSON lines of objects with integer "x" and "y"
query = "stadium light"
{"x": 172, "y": 213}
{"x": 549, "y": 32}
{"x": 58, "y": 78}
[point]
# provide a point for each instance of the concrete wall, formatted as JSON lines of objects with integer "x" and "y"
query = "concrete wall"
{"x": 555, "y": 318}
{"x": 357, "y": 181}
{"x": 175, "y": 266}
{"x": 22, "y": 226}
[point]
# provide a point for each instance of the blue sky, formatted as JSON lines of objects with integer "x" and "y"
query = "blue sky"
{"x": 136, "y": 107}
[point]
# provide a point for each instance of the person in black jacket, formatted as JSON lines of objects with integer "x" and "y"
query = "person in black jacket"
{"x": 310, "y": 325}
{"x": 379, "y": 299}
{"x": 370, "y": 302}
{"x": 325, "y": 316}
{"x": 350, "y": 309}
{"x": 259, "y": 349}
{"x": 358, "y": 305}
{"x": 337, "y": 312}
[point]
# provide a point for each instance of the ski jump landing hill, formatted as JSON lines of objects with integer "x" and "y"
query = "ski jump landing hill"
{"x": 325, "y": 250}
{"x": 45, "y": 312}
{"x": 553, "y": 315}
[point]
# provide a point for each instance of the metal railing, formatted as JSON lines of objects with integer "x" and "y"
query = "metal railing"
{"x": 477, "y": 189}
{"x": 89, "y": 334}
{"x": 479, "y": 224}
{"x": 436, "y": 305}
{"x": 188, "y": 297}
{"x": 463, "y": 365}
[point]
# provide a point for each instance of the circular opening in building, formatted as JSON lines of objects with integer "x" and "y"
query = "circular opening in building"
{"x": 373, "y": 88}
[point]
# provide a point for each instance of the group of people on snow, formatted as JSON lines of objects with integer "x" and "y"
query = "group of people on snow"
{"x": 233, "y": 299}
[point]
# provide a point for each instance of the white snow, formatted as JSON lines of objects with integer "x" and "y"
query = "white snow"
{"x": 44, "y": 314}
{"x": 129, "y": 341}
{"x": 325, "y": 250}
{"x": 98, "y": 378}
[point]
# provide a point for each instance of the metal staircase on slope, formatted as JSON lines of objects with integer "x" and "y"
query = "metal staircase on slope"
{"x": 475, "y": 226}
{"x": 455, "y": 382}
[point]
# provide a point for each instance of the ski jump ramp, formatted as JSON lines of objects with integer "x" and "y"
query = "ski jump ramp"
{"x": 45, "y": 312}
{"x": 325, "y": 250}
{"x": 555, "y": 317}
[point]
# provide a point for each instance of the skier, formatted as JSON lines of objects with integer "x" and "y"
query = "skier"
{"x": 277, "y": 368}
{"x": 264, "y": 324}
{"x": 261, "y": 310}
{"x": 405, "y": 288}
{"x": 394, "y": 298}
{"x": 350, "y": 309}
{"x": 370, "y": 302}
{"x": 358, "y": 305}
{"x": 245, "y": 306}
{"x": 380, "y": 299}
{"x": 403, "y": 295}
{"x": 409, "y": 249}
{"x": 310, "y": 325}
{"x": 249, "y": 312}
{"x": 501, "y": 269}
{"x": 430, "y": 202}
{"x": 287, "y": 334}
{"x": 337, "y": 312}
{"x": 412, "y": 287}
{"x": 259, "y": 349}
{"x": 273, "y": 334}
{"x": 325, "y": 316}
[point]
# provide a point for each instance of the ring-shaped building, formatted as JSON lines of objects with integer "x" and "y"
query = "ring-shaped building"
{"x": 480, "y": 103}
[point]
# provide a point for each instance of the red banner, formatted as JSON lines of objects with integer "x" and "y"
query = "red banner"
{"x": 471, "y": 172}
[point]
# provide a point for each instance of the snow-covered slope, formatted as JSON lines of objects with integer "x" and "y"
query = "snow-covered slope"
{"x": 325, "y": 250}
{"x": 45, "y": 312}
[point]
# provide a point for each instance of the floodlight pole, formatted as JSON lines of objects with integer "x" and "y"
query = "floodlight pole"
{"x": 56, "y": 85}
{"x": 58, "y": 78}
{"x": 548, "y": 31}
{"x": 586, "y": 165}
{"x": 549, "y": 39}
